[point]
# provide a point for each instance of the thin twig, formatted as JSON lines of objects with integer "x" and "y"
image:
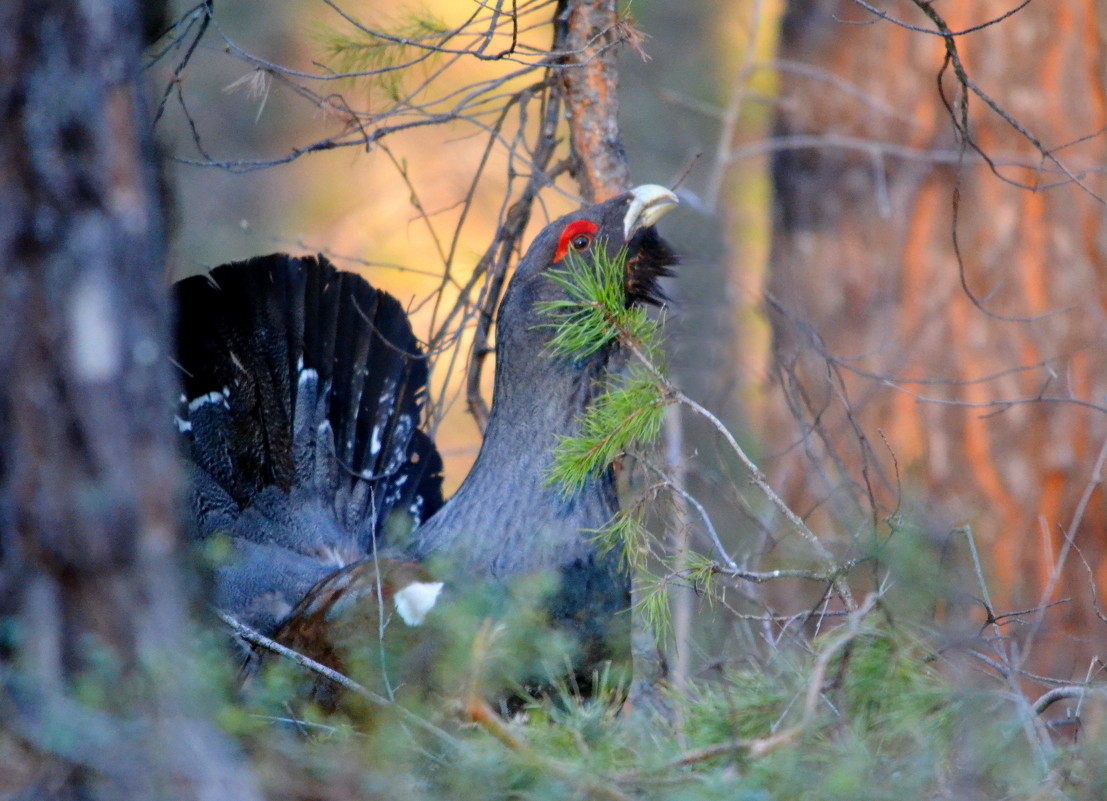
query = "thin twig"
{"x": 762, "y": 483}
{"x": 1093, "y": 483}
{"x": 257, "y": 638}
{"x": 1068, "y": 691}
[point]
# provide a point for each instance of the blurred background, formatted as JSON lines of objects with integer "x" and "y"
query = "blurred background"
{"x": 893, "y": 289}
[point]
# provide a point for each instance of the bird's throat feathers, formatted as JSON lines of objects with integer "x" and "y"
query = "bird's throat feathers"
{"x": 542, "y": 392}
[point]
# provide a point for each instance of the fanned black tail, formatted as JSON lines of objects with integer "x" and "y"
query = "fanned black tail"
{"x": 303, "y": 395}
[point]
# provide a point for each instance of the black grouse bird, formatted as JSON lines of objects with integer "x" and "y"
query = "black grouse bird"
{"x": 303, "y": 393}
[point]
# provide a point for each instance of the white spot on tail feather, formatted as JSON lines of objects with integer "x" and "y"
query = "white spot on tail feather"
{"x": 386, "y": 403}
{"x": 401, "y": 435}
{"x": 204, "y": 400}
{"x": 415, "y": 600}
{"x": 306, "y": 375}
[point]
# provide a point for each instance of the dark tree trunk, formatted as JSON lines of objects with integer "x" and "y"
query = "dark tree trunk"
{"x": 90, "y": 589}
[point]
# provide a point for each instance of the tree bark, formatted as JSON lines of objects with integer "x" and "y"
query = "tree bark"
{"x": 590, "y": 88}
{"x": 90, "y": 582}
{"x": 881, "y": 332}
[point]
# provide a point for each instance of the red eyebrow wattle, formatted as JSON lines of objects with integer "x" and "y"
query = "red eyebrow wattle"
{"x": 575, "y": 228}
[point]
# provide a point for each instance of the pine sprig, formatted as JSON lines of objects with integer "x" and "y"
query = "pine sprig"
{"x": 641, "y": 556}
{"x": 700, "y": 572}
{"x": 363, "y": 50}
{"x": 630, "y": 413}
{"x": 594, "y": 314}
{"x": 384, "y": 57}
{"x": 653, "y": 605}
{"x": 627, "y": 530}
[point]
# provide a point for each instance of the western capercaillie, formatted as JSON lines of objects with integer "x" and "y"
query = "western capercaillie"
{"x": 303, "y": 392}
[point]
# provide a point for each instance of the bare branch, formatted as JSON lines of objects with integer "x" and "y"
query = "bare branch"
{"x": 257, "y": 638}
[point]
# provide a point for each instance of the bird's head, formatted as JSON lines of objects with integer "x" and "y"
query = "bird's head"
{"x": 603, "y": 230}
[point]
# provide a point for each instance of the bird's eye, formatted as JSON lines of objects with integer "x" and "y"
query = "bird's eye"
{"x": 577, "y": 235}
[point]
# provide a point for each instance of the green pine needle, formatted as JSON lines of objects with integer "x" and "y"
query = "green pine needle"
{"x": 654, "y": 606}
{"x": 626, "y": 529}
{"x": 700, "y": 571}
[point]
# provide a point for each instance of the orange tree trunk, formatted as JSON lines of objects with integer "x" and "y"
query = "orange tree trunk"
{"x": 986, "y": 378}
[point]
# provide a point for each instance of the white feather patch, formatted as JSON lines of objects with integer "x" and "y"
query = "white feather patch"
{"x": 416, "y": 599}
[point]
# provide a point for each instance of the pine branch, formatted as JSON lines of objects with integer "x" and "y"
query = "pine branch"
{"x": 593, "y": 316}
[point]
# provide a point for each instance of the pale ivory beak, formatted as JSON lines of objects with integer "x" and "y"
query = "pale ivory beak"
{"x": 648, "y": 204}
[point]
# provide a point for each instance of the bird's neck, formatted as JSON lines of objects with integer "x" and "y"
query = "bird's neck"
{"x": 507, "y": 502}
{"x": 538, "y": 400}
{"x": 542, "y": 395}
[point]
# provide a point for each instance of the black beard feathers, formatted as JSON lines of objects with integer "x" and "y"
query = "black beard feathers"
{"x": 650, "y": 260}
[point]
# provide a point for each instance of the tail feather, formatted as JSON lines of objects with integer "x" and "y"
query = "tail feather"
{"x": 233, "y": 349}
{"x": 303, "y": 394}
